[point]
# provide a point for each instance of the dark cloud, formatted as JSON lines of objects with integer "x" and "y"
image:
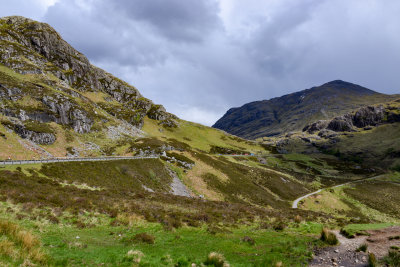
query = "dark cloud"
{"x": 202, "y": 57}
{"x": 188, "y": 20}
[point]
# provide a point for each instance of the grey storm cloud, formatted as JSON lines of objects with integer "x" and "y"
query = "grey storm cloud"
{"x": 178, "y": 20}
{"x": 202, "y": 57}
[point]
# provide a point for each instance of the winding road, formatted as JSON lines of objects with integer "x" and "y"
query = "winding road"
{"x": 52, "y": 160}
{"x": 296, "y": 202}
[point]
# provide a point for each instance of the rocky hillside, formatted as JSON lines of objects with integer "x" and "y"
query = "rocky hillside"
{"x": 369, "y": 135}
{"x": 54, "y": 103}
{"x": 45, "y": 83}
{"x": 294, "y": 111}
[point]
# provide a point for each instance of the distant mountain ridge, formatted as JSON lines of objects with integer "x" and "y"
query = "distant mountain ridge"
{"x": 294, "y": 111}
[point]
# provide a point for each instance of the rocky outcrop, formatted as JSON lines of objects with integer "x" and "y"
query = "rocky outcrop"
{"x": 316, "y": 126}
{"x": 341, "y": 124}
{"x": 365, "y": 118}
{"x": 368, "y": 116}
{"x": 36, "y": 137}
{"x": 12, "y": 94}
{"x": 31, "y": 47}
{"x": 157, "y": 112}
{"x": 68, "y": 114}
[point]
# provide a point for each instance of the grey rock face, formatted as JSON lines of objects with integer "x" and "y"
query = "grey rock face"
{"x": 341, "y": 124}
{"x": 48, "y": 53}
{"x": 316, "y": 126}
{"x": 36, "y": 137}
{"x": 68, "y": 114}
{"x": 12, "y": 94}
{"x": 368, "y": 116}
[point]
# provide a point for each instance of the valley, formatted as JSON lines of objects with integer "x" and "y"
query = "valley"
{"x": 94, "y": 174}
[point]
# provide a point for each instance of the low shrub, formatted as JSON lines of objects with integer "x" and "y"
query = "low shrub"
{"x": 329, "y": 237}
{"x": 249, "y": 240}
{"x": 279, "y": 226}
{"x": 298, "y": 219}
{"x": 144, "y": 238}
{"x": 182, "y": 262}
{"x": 180, "y": 157}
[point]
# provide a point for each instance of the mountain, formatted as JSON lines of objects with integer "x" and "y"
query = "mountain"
{"x": 203, "y": 190}
{"x": 294, "y": 111}
{"x": 49, "y": 92}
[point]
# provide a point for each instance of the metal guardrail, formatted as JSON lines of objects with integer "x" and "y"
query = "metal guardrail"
{"x": 53, "y": 160}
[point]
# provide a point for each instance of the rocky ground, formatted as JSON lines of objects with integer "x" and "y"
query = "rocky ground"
{"x": 345, "y": 254}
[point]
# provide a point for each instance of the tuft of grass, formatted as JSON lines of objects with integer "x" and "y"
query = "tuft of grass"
{"x": 372, "y": 262}
{"x": 7, "y": 248}
{"x": 329, "y": 237}
{"x": 19, "y": 245}
{"x": 134, "y": 256}
{"x": 144, "y": 238}
{"x": 216, "y": 259}
{"x": 26, "y": 239}
{"x": 298, "y": 219}
{"x": 393, "y": 258}
{"x": 362, "y": 248}
{"x": 249, "y": 240}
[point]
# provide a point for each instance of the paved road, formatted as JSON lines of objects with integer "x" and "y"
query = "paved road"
{"x": 52, "y": 160}
{"x": 296, "y": 202}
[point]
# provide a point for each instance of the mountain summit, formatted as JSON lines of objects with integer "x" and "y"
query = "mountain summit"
{"x": 293, "y": 111}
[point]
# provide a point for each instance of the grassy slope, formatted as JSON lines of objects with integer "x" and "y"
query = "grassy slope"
{"x": 375, "y": 143}
{"x": 199, "y": 136}
{"x": 62, "y": 201}
{"x": 374, "y": 200}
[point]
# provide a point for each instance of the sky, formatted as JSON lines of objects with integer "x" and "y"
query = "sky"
{"x": 199, "y": 58}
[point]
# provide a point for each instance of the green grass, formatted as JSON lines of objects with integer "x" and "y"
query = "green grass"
{"x": 352, "y": 230}
{"x": 378, "y": 195}
{"x": 104, "y": 245}
{"x": 199, "y": 136}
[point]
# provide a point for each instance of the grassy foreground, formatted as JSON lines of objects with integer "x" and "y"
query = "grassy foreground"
{"x": 106, "y": 245}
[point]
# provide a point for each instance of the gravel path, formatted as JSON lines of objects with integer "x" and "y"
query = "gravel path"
{"x": 345, "y": 254}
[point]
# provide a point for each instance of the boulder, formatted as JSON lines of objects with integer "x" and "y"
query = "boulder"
{"x": 341, "y": 124}
{"x": 368, "y": 116}
{"x": 316, "y": 126}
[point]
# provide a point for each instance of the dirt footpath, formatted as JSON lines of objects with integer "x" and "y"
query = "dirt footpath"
{"x": 378, "y": 241}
